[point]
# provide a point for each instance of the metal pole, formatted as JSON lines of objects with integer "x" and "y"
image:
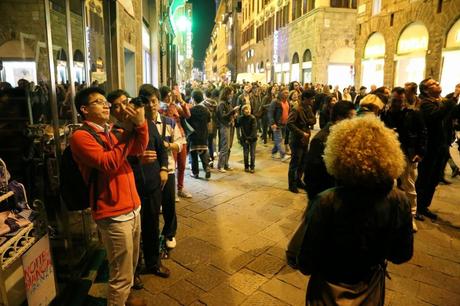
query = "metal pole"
{"x": 54, "y": 108}
{"x": 70, "y": 62}
{"x": 86, "y": 43}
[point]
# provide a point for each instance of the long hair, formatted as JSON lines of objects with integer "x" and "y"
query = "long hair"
{"x": 225, "y": 93}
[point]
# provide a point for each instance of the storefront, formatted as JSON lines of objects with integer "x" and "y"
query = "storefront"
{"x": 285, "y": 72}
{"x": 373, "y": 61}
{"x": 450, "y": 74}
{"x": 49, "y": 50}
{"x": 306, "y": 66}
{"x": 410, "y": 54}
{"x": 340, "y": 70}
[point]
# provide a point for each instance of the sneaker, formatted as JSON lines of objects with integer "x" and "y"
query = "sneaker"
{"x": 285, "y": 158}
{"x": 221, "y": 170}
{"x": 177, "y": 199}
{"x": 252, "y": 171}
{"x": 171, "y": 243}
{"x": 194, "y": 175}
{"x": 246, "y": 169}
{"x": 184, "y": 194}
{"x": 229, "y": 168}
{"x": 211, "y": 164}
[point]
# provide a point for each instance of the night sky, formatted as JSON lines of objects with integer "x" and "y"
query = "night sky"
{"x": 203, "y": 12}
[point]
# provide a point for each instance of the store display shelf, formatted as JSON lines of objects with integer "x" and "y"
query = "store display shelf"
{"x": 5, "y": 196}
{"x": 16, "y": 246}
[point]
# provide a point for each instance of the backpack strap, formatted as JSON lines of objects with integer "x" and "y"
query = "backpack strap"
{"x": 94, "y": 173}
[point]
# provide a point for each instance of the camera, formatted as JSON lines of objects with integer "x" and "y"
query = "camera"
{"x": 139, "y": 101}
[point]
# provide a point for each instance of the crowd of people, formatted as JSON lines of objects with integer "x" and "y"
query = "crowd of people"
{"x": 400, "y": 135}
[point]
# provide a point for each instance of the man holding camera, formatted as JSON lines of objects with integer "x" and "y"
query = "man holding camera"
{"x": 117, "y": 208}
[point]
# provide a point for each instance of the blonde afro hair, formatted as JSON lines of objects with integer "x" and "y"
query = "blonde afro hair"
{"x": 363, "y": 152}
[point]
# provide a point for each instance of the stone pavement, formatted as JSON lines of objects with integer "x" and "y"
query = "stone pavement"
{"x": 233, "y": 232}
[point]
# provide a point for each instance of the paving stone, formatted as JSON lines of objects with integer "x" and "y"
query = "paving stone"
{"x": 255, "y": 245}
{"x": 246, "y": 281}
{"x": 260, "y": 298}
{"x": 279, "y": 250}
{"x": 184, "y": 292}
{"x": 192, "y": 252}
{"x": 393, "y": 298}
{"x": 438, "y": 296}
{"x": 162, "y": 299}
{"x": 403, "y": 285}
{"x": 437, "y": 279}
{"x": 284, "y": 291}
{"x": 231, "y": 261}
{"x": 266, "y": 265}
{"x": 207, "y": 277}
{"x": 155, "y": 284}
{"x": 276, "y": 233}
{"x": 293, "y": 277}
{"x": 223, "y": 295}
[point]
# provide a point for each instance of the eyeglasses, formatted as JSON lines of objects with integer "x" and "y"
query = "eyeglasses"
{"x": 100, "y": 102}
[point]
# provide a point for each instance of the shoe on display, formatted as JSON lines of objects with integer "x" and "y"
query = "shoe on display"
{"x": 184, "y": 194}
{"x": 138, "y": 284}
{"x": 171, "y": 243}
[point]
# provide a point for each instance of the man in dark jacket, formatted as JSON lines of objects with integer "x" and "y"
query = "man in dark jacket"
{"x": 434, "y": 110}
{"x": 408, "y": 124}
{"x": 248, "y": 126}
{"x": 211, "y": 104}
{"x": 316, "y": 178}
{"x": 299, "y": 122}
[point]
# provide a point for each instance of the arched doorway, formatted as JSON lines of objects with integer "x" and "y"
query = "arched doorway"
{"x": 295, "y": 68}
{"x": 61, "y": 67}
{"x": 373, "y": 61}
{"x": 79, "y": 66}
{"x": 285, "y": 68}
{"x": 306, "y": 66}
{"x": 340, "y": 69}
{"x": 410, "y": 54}
{"x": 450, "y": 75}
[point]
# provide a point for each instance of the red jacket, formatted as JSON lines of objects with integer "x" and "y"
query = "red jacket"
{"x": 115, "y": 181}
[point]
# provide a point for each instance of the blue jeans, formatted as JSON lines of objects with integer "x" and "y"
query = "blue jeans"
{"x": 278, "y": 140}
{"x": 249, "y": 150}
{"x": 224, "y": 147}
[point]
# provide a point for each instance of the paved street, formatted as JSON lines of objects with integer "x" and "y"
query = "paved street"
{"x": 233, "y": 232}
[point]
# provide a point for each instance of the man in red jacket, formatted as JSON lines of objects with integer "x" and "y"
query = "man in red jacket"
{"x": 117, "y": 207}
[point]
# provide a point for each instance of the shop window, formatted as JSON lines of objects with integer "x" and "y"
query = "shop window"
{"x": 295, "y": 68}
{"x": 411, "y": 52}
{"x": 450, "y": 74}
{"x": 373, "y": 61}
{"x": 340, "y": 67}
{"x": 306, "y": 66}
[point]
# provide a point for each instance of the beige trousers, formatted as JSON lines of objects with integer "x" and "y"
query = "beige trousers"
{"x": 121, "y": 241}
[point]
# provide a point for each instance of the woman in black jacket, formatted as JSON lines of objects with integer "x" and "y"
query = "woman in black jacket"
{"x": 353, "y": 229}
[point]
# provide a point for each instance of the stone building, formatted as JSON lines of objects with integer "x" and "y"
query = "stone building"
{"x": 221, "y": 61}
{"x": 299, "y": 40}
{"x": 406, "y": 41}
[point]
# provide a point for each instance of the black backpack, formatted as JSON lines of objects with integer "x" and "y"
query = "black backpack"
{"x": 72, "y": 188}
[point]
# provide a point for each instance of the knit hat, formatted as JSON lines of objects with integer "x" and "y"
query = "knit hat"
{"x": 372, "y": 99}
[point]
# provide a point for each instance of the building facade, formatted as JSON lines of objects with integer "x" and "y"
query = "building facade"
{"x": 407, "y": 41}
{"x": 221, "y": 60}
{"x": 299, "y": 40}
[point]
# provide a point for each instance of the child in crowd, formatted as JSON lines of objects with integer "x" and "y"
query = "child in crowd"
{"x": 248, "y": 126}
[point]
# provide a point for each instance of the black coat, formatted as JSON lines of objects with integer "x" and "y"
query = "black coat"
{"x": 351, "y": 231}
{"x": 299, "y": 121}
{"x": 248, "y": 126}
{"x": 199, "y": 119}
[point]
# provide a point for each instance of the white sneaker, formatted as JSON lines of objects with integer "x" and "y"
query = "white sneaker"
{"x": 177, "y": 199}
{"x": 184, "y": 194}
{"x": 222, "y": 170}
{"x": 171, "y": 243}
{"x": 285, "y": 158}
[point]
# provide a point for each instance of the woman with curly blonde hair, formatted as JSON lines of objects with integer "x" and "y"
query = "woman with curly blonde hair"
{"x": 354, "y": 228}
